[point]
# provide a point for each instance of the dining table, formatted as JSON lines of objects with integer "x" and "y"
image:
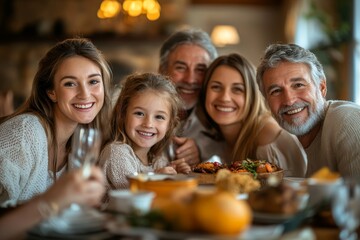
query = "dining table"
{"x": 314, "y": 221}
{"x": 303, "y": 225}
{"x": 306, "y": 230}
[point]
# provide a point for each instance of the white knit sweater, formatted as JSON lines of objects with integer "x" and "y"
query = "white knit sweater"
{"x": 23, "y": 159}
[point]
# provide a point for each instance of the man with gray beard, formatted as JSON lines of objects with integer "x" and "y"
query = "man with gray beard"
{"x": 293, "y": 83}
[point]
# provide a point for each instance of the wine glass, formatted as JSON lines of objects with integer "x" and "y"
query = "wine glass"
{"x": 85, "y": 148}
{"x": 346, "y": 208}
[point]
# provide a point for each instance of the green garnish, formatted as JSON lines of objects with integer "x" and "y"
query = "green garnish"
{"x": 250, "y": 166}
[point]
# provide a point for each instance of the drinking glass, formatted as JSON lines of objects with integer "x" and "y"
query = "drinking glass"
{"x": 171, "y": 151}
{"x": 346, "y": 208}
{"x": 85, "y": 148}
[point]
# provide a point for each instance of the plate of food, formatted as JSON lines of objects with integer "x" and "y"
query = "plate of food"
{"x": 259, "y": 169}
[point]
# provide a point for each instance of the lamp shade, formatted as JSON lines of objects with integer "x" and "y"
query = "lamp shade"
{"x": 224, "y": 35}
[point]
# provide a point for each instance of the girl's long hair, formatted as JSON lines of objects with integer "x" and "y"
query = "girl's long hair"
{"x": 136, "y": 84}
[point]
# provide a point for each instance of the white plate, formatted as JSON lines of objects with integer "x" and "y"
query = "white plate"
{"x": 271, "y": 217}
{"x": 34, "y": 235}
{"x": 74, "y": 220}
{"x": 241, "y": 196}
{"x": 253, "y": 232}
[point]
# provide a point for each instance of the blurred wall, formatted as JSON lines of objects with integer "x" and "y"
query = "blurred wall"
{"x": 258, "y": 26}
{"x": 30, "y": 28}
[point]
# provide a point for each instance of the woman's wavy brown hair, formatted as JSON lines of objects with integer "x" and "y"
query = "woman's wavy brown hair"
{"x": 39, "y": 102}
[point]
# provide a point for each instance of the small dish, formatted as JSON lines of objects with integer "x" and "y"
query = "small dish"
{"x": 162, "y": 184}
{"x": 321, "y": 191}
{"x": 125, "y": 201}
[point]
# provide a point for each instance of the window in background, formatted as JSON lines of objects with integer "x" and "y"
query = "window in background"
{"x": 324, "y": 27}
{"x": 356, "y": 52}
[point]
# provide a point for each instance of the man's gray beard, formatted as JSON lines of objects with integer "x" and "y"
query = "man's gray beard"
{"x": 300, "y": 130}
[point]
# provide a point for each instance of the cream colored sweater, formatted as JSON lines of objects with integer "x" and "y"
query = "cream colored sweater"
{"x": 286, "y": 152}
{"x": 337, "y": 144}
{"x": 23, "y": 159}
{"x": 119, "y": 160}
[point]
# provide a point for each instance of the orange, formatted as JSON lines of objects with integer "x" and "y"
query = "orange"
{"x": 177, "y": 212}
{"x": 221, "y": 213}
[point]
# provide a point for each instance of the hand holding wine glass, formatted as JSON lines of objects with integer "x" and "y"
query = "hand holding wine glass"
{"x": 85, "y": 148}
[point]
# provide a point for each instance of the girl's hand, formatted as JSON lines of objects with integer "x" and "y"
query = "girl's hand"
{"x": 166, "y": 170}
{"x": 181, "y": 166}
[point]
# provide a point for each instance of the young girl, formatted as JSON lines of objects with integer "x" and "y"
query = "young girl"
{"x": 143, "y": 121}
{"x": 235, "y": 108}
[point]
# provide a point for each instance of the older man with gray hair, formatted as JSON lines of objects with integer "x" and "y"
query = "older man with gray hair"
{"x": 185, "y": 56}
{"x": 293, "y": 83}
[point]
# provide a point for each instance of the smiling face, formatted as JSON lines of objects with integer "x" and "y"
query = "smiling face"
{"x": 78, "y": 93}
{"x": 295, "y": 101}
{"x": 225, "y": 96}
{"x": 186, "y": 67}
{"x": 147, "y": 119}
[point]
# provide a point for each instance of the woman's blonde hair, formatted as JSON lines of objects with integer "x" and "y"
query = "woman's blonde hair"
{"x": 137, "y": 84}
{"x": 254, "y": 111}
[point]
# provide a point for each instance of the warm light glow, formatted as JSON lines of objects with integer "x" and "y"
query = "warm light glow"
{"x": 148, "y": 5}
{"x": 109, "y": 9}
{"x": 224, "y": 35}
{"x": 134, "y": 8}
{"x": 100, "y": 14}
{"x": 126, "y": 5}
{"x": 152, "y": 16}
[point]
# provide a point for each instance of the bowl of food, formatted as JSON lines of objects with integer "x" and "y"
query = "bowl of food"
{"x": 259, "y": 169}
{"x": 205, "y": 172}
{"x": 322, "y": 185}
{"x": 162, "y": 184}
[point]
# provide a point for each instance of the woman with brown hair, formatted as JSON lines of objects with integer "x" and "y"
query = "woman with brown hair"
{"x": 71, "y": 87}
